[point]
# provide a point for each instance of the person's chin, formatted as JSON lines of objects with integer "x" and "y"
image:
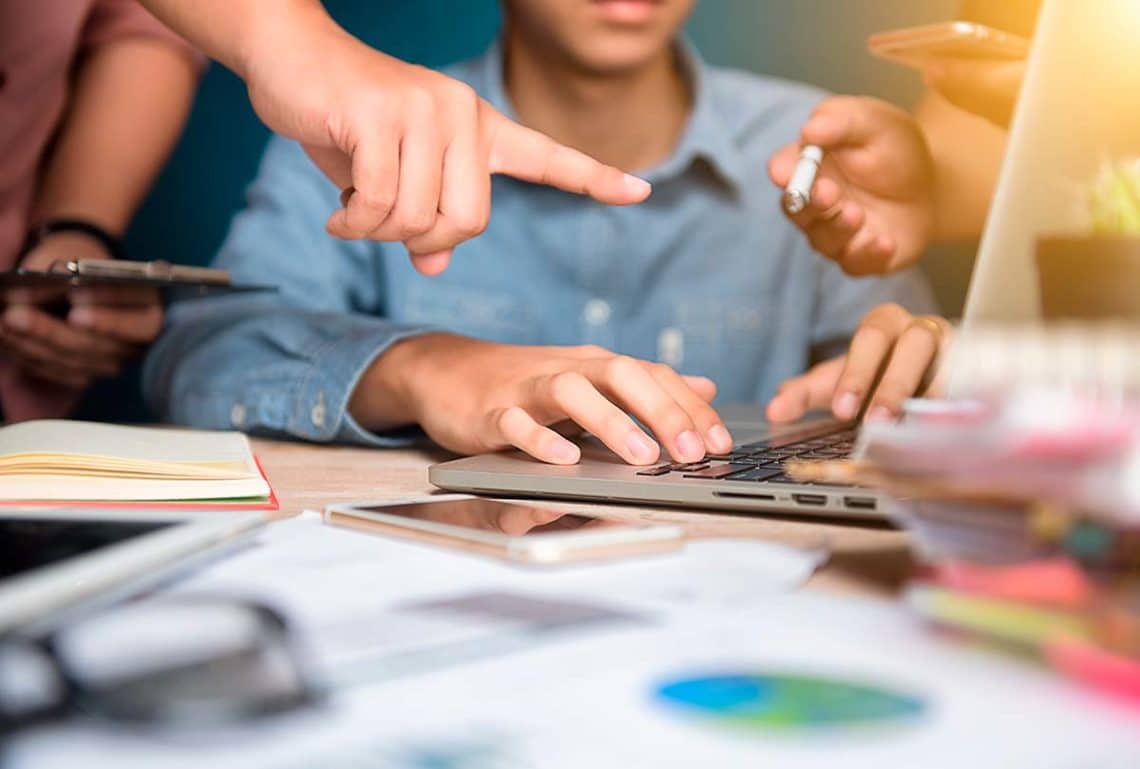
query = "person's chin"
{"x": 617, "y": 57}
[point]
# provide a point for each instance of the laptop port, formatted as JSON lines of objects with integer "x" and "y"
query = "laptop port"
{"x": 819, "y": 500}
{"x": 860, "y": 503}
{"x": 745, "y": 495}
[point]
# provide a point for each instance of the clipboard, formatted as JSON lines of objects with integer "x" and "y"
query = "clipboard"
{"x": 119, "y": 282}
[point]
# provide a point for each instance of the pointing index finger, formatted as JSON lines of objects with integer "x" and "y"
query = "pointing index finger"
{"x": 529, "y": 155}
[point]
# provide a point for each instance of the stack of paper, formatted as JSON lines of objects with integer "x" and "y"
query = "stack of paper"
{"x": 999, "y": 359}
{"x": 66, "y": 461}
{"x": 1026, "y": 512}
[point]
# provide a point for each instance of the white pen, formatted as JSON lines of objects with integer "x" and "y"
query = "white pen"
{"x": 797, "y": 194}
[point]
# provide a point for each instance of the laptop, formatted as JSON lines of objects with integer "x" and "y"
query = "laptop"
{"x": 56, "y": 564}
{"x": 1029, "y": 199}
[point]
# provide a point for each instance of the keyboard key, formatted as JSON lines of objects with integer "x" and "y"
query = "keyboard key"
{"x": 716, "y": 472}
{"x": 825, "y": 443}
{"x": 743, "y": 458}
{"x": 690, "y": 467}
{"x": 756, "y": 475}
{"x": 781, "y": 478}
{"x": 656, "y": 471}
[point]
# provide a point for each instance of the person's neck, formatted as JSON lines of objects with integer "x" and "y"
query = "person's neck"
{"x": 632, "y": 121}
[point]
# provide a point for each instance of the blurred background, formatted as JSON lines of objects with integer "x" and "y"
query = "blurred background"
{"x": 817, "y": 41}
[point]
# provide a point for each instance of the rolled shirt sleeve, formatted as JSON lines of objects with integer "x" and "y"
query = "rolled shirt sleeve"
{"x": 267, "y": 369}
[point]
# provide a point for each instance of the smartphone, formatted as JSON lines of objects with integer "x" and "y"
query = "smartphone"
{"x": 954, "y": 40}
{"x": 511, "y": 531}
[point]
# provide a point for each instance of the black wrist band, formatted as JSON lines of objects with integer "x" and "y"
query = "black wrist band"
{"x": 111, "y": 244}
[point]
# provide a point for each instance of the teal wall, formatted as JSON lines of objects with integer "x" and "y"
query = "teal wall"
{"x": 818, "y": 41}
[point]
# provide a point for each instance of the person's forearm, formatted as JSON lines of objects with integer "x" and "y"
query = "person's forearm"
{"x": 235, "y": 32}
{"x": 131, "y": 100}
{"x": 967, "y": 153}
{"x": 385, "y": 398}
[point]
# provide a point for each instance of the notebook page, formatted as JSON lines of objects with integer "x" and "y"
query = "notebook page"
{"x": 145, "y": 444}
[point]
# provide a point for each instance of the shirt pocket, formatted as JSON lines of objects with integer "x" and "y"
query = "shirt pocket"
{"x": 493, "y": 314}
{"x": 709, "y": 337}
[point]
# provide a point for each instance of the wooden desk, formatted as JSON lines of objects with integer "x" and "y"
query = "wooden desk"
{"x": 865, "y": 559}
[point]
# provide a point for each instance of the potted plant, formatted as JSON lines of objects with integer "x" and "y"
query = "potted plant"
{"x": 1096, "y": 276}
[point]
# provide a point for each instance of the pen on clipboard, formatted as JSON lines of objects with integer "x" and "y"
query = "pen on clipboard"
{"x": 797, "y": 195}
{"x": 116, "y": 268}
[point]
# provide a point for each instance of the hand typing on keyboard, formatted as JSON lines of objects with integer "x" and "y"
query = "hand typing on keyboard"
{"x": 472, "y": 396}
{"x": 905, "y": 348}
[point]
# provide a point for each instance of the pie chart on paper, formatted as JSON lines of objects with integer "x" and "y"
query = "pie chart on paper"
{"x": 788, "y": 702}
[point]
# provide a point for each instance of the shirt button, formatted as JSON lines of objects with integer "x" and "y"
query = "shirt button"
{"x": 237, "y": 415}
{"x": 317, "y": 415}
{"x": 671, "y": 347}
{"x": 597, "y": 312}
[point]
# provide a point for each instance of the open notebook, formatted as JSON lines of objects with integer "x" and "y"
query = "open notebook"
{"x": 62, "y": 460}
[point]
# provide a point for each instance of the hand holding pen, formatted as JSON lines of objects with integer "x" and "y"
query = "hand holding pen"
{"x": 859, "y": 183}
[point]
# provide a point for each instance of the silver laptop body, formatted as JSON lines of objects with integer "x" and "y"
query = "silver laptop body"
{"x": 750, "y": 480}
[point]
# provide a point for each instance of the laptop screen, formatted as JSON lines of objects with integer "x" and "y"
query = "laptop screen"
{"x": 27, "y": 544}
{"x": 1077, "y": 109}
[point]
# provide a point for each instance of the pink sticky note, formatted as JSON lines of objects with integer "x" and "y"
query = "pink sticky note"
{"x": 1057, "y": 581}
{"x": 1096, "y": 667}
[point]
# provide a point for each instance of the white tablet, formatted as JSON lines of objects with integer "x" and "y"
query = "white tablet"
{"x": 54, "y": 563}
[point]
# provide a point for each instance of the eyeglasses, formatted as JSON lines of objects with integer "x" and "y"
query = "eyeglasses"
{"x": 194, "y": 661}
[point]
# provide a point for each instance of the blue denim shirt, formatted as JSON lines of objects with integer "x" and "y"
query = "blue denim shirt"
{"x": 706, "y": 276}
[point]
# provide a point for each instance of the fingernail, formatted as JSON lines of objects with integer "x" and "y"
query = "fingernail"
{"x": 719, "y": 438}
{"x": 846, "y": 406}
{"x": 639, "y": 446}
{"x": 690, "y": 445}
{"x": 637, "y": 186}
{"x": 880, "y": 414}
{"x": 16, "y": 319}
{"x": 432, "y": 264}
{"x": 565, "y": 451}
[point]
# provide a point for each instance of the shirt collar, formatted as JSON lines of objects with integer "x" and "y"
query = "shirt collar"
{"x": 706, "y": 136}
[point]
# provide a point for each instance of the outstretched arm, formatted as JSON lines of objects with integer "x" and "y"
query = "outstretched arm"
{"x": 412, "y": 149}
{"x": 891, "y": 183}
{"x": 964, "y": 115}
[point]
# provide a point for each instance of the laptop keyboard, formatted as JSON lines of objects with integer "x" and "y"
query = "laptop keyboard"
{"x": 763, "y": 461}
